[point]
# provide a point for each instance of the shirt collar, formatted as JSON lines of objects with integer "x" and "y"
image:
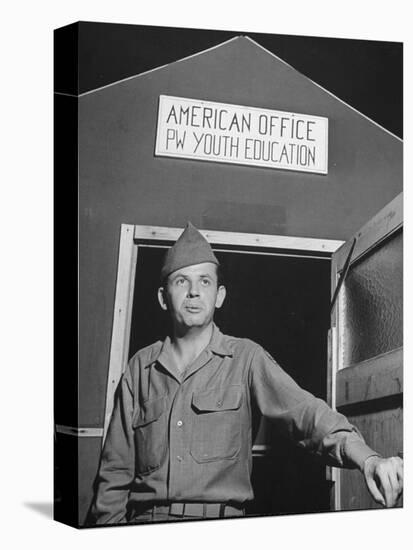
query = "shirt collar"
{"x": 218, "y": 345}
{"x": 219, "y": 342}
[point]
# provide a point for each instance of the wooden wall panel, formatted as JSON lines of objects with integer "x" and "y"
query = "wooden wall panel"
{"x": 383, "y": 431}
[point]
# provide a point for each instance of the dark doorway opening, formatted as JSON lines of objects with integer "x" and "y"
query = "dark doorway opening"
{"x": 281, "y": 302}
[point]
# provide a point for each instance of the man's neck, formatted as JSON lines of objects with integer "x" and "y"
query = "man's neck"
{"x": 189, "y": 345}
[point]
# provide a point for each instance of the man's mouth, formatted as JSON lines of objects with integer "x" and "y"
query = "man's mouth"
{"x": 193, "y": 309}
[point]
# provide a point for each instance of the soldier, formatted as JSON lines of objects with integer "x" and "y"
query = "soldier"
{"x": 179, "y": 445}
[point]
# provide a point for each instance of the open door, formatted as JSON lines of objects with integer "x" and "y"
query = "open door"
{"x": 366, "y": 343}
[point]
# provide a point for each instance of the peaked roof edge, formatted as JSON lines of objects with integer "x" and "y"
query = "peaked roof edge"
{"x": 324, "y": 90}
{"x": 160, "y": 67}
{"x": 227, "y": 42}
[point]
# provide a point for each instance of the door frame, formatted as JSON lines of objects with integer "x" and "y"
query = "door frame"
{"x": 134, "y": 236}
{"x": 388, "y": 366}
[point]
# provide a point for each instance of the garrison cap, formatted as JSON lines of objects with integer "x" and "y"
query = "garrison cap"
{"x": 190, "y": 249}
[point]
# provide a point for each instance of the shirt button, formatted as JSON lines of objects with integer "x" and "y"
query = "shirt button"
{"x": 179, "y": 458}
{"x": 219, "y": 404}
{"x": 179, "y": 423}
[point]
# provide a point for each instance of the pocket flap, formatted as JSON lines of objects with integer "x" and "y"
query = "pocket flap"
{"x": 150, "y": 410}
{"x": 218, "y": 399}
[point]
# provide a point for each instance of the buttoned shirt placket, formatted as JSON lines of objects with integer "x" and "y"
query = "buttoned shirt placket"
{"x": 179, "y": 431}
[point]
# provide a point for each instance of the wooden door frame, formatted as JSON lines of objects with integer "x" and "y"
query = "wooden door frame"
{"x": 387, "y": 368}
{"x": 134, "y": 236}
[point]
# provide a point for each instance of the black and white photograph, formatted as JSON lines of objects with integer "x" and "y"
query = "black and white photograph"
{"x": 205, "y": 277}
{"x": 240, "y": 238}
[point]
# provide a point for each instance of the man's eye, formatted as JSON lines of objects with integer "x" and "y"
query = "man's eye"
{"x": 206, "y": 282}
{"x": 180, "y": 281}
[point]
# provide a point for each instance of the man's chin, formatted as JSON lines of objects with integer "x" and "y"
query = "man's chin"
{"x": 195, "y": 321}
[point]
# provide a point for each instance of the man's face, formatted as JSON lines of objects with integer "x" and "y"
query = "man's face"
{"x": 191, "y": 295}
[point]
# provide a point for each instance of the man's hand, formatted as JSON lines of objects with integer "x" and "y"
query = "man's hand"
{"x": 384, "y": 479}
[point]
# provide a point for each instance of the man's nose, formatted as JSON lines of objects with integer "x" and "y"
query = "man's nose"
{"x": 193, "y": 289}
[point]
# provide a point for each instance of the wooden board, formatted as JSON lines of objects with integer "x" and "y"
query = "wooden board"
{"x": 148, "y": 232}
{"x": 381, "y": 226}
{"x": 121, "y": 316}
{"x": 383, "y": 431}
{"x": 376, "y": 378}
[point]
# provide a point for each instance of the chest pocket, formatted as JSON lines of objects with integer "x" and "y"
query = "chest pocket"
{"x": 216, "y": 431}
{"x": 150, "y": 432}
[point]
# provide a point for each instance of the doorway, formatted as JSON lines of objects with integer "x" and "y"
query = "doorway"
{"x": 280, "y": 299}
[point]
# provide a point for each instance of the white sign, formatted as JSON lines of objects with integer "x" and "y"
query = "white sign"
{"x": 218, "y": 132}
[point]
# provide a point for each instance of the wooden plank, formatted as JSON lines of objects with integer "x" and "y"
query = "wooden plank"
{"x": 334, "y": 315}
{"x": 250, "y": 252}
{"x": 331, "y": 366}
{"x": 121, "y": 317}
{"x": 332, "y": 474}
{"x": 150, "y": 232}
{"x": 79, "y": 432}
{"x": 260, "y": 450}
{"x": 383, "y": 431}
{"x": 375, "y": 378}
{"x": 381, "y": 226}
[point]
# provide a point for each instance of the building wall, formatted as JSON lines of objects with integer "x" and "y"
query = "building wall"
{"x": 121, "y": 181}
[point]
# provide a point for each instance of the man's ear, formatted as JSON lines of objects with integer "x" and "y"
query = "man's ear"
{"x": 162, "y": 298}
{"x": 222, "y": 292}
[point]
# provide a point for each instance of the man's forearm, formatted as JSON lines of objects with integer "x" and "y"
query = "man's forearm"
{"x": 346, "y": 449}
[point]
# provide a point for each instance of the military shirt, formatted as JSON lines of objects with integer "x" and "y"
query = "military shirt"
{"x": 188, "y": 438}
